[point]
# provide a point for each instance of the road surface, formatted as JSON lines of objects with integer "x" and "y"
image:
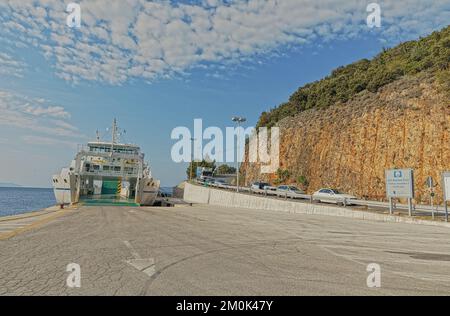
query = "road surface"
{"x": 205, "y": 250}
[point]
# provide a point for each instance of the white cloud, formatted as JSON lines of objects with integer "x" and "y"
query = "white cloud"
{"x": 124, "y": 39}
{"x": 35, "y": 114}
{"x": 51, "y": 111}
{"x": 11, "y": 67}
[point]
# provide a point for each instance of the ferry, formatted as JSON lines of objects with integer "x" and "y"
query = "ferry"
{"x": 107, "y": 172}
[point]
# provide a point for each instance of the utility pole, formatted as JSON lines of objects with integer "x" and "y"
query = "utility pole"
{"x": 238, "y": 120}
{"x": 192, "y": 158}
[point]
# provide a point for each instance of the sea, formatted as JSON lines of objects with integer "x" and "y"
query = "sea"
{"x": 14, "y": 201}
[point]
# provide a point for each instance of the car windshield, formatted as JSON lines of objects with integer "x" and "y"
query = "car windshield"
{"x": 335, "y": 192}
{"x": 294, "y": 189}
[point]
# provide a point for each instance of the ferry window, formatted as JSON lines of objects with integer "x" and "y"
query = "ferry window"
{"x": 106, "y": 168}
{"x": 117, "y": 168}
{"x": 96, "y": 167}
{"x": 65, "y": 180}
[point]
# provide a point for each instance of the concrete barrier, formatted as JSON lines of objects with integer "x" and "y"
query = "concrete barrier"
{"x": 216, "y": 197}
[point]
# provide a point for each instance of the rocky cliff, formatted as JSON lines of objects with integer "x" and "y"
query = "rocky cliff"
{"x": 405, "y": 124}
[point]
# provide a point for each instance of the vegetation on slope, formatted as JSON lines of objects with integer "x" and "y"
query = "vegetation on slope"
{"x": 431, "y": 53}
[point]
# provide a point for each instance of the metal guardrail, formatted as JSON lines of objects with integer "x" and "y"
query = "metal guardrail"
{"x": 433, "y": 210}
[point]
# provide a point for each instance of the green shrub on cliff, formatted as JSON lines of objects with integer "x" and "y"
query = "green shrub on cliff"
{"x": 431, "y": 53}
{"x": 283, "y": 176}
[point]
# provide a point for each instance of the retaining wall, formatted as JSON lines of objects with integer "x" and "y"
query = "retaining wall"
{"x": 211, "y": 196}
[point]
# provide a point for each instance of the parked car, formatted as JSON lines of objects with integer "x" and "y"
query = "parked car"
{"x": 332, "y": 196}
{"x": 220, "y": 184}
{"x": 290, "y": 192}
{"x": 208, "y": 181}
{"x": 270, "y": 190}
{"x": 258, "y": 186}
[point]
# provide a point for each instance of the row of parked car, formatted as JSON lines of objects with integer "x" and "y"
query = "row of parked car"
{"x": 324, "y": 195}
{"x": 289, "y": 191}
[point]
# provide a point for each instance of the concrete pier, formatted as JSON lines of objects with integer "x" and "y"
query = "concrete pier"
{"x": 214, "y": 250}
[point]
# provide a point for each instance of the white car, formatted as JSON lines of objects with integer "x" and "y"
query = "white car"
{"x": 333, "y": 196}
{"x": 270, "y": 190}
{"x": 259, "y": 186}
{"x": 290, "y": 192}
{"x": 221, "y": 184}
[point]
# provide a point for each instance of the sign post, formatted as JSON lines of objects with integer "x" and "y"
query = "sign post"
{"x": 446, "y": 188}
{"x": 430, "y": 186}
{"x": 391, "y": 206}
{"x": 400, "y": 184}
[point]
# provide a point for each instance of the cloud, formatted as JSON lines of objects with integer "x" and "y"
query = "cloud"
{"x": 139, "y": 39}
{"x": 11, "y": 67}
{"x": 35, "y": 114}
{"x": 52, "y": 111}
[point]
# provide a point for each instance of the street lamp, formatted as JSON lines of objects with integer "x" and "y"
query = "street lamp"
{"x": 238, "y": 120}
{"x": 192, "y": 158}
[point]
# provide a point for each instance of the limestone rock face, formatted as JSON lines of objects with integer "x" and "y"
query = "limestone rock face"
{"x": 349, "y": 146}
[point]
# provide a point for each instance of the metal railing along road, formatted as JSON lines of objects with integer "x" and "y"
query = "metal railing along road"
{"x": 345, "y": 202}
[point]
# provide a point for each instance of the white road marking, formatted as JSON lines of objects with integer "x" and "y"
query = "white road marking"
{"x": 134, "y": 253}
{"x": 146, "y": 266}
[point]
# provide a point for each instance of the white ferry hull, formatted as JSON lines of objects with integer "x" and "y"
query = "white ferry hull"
{"x": 66, "y": 190}
{"x": 107, "y": 171}
{"x": 147, "y": 192}
{"x": 62, "y": 188}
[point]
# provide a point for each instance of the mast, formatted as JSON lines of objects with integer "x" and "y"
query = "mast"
{"x": 114, "y": 136}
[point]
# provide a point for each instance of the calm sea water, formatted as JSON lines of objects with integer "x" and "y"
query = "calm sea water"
{"x": 15, "y": 201}
{"x": 167, "y": 190}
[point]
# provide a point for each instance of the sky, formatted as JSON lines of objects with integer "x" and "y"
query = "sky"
{"x": 157, "y": 65}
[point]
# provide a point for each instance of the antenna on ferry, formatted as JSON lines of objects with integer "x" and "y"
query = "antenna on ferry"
{"x": 97, "y": 136}
{"x": 114, "y": 131}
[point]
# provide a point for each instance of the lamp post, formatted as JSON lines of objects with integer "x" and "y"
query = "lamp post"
{"x": 238, "y": 120}
{"x": 192, "y": 158}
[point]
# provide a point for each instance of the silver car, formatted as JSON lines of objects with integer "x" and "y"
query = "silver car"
{"x": 257, "y": 187}
{"x": 221, "y": 184}
{"x": 290, "y": 191}
{"x": 333, "y": 196}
